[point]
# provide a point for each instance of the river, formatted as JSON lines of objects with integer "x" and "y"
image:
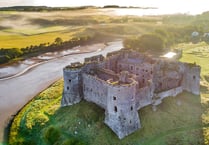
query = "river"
{"x": 16, "y": 92}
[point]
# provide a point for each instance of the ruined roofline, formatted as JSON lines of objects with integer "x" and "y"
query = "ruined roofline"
{"x": 73, "y": 66}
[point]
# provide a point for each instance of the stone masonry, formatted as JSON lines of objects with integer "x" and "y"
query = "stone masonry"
{"x": 124, "y": 82}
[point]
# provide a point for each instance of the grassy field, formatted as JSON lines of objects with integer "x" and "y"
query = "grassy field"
{"x": 43, "y": 122}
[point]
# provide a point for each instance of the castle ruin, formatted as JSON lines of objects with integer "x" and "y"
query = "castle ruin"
{"x": 126, "y": 81}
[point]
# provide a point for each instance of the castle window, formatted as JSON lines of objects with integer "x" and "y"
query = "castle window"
{"x": 194, "y": 77}
{"x": 70, "y": 80}
{"x": 131, "y": 108}
{"x": 124, "y": 118}
{"x": 143, "y": 81}
{"x": 116, "y": 109}
{"x": 67, "y": 88}
{"x": 130, "y": 121}
{"x": 132, "y": 67}
{"x": 114, "y": 98}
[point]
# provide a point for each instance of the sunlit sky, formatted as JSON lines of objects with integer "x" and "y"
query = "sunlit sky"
{"x": 184, "y": 6}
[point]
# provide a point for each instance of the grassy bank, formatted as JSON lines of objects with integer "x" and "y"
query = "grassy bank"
{"x": 178, "y": 120}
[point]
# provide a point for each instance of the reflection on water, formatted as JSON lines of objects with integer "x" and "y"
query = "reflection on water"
{"x": 6, "y": 71}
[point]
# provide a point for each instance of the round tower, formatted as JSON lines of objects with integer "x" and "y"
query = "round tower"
{"x": 72, "y": 91}
{"x": 121, "y": 114}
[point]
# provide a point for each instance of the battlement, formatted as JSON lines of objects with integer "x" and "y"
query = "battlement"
{"x": 124, "y": 82}
{"x": 73, "y": 66}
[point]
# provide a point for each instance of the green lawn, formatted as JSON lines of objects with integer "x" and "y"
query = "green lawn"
{"x": 43, "y": 122}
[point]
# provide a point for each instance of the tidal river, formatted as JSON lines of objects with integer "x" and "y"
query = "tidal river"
{"x": 15, "y": 92}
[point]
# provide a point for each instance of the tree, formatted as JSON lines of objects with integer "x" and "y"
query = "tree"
{"x": 151, "y": 42}
{"x": 58, "y": 40}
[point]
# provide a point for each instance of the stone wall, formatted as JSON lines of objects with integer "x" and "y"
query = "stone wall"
{"x": 95, "y": 90}
{"x": 144, "y": 96}
{"x": 172, "y": 92}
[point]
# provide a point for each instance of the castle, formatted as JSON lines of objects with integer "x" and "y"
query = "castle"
{"x": 126, "y": 81}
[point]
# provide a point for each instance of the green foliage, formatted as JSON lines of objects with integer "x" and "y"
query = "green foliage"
{"x": 146, "y": 42}
{"x": 151, "y": 42}
{"x": 7, "y": 54}
{"x": 58, "y": 41}
{"x": 51, "y": 135}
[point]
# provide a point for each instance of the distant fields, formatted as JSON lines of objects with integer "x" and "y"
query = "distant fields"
{"x": 22, "y": 29}
{"x": 178, "y": 120}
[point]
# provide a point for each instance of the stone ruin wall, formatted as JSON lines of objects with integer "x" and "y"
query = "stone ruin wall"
{"x": 95, "y": 90}
{"x": 144, "y": 96}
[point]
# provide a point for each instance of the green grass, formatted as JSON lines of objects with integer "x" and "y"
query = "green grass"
{"x": 43, "y": 122}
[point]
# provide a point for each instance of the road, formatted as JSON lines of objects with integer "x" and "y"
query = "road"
{"x": 17, "y": 91}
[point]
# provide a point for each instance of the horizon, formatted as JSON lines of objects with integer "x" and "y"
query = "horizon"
{"x": 178, "y": 6}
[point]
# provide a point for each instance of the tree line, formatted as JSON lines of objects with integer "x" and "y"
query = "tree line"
{"x": 160, "y": 39}
{"x": 8, "y": 54}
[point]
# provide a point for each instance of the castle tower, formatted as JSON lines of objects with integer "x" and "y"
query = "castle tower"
{"x": 121, "y": 114}
{"x": 191, "y": 78}
{"x": 72, "y": 91}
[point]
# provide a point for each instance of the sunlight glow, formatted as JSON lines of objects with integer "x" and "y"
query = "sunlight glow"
{"x": 169, "y": 55}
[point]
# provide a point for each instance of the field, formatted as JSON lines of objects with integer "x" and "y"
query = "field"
{"x": 178, "y": 120}
{"x": 22, "y": 29}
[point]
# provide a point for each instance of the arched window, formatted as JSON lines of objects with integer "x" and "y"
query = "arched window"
{"x": 131, "y": 108}
{"x": 69, "y": 80}
{"x": 114, "y": 98}
{"x": 67, "y": 88}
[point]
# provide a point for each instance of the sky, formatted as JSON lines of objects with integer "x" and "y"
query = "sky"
{"x": 190, "y": 6}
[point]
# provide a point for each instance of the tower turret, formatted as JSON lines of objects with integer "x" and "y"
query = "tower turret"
{"x": 72, "y": 91}
{"x": 121, "y": 114}
{"x": 191, "y": 78}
